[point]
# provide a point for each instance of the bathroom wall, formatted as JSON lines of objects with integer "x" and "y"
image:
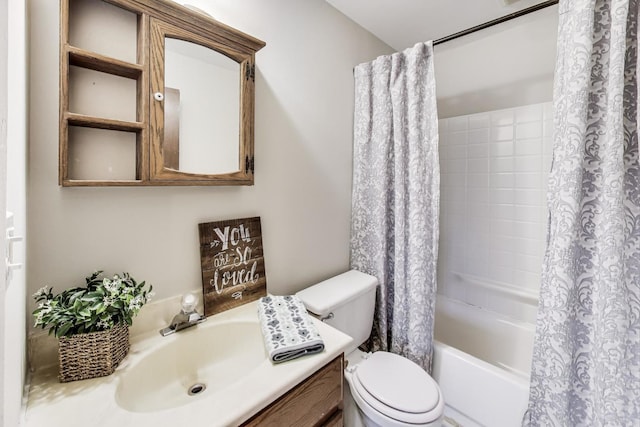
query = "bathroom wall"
{"x": 13, "y": 308}
{"x": 302, "y": 191}
{"x": 504, "y": 66}
{"x": 494, "y": 169}
{"x": 493, "y": 206}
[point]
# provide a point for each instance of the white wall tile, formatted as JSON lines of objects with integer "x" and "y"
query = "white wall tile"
{"x": 501, "y": 243}
{"x": 502, "y": 259}
{"x": 526, "y": 230}
{"x": 453, "y": 208}
{"x": 527, "y": 197}
{"x": 458, "y": 123}
{"x": 502, "y": 133}
{"x": 443, "y": 151}
{"x": 501, "y": 196}
{"x": 527, "y": 163}
{"x": 457, "y": 290}
{"x": 529, "y": 130}
{"x": 478, "y": 209}
{"x": 477, "y": 242}
{"x": 527, "y": 279}
{"x": 478, "y": 165}
{"x": 478, "y": 150}
{"x": 501, "y": 226}
{"x": 456, "y": 138}
{"x": 501, "y": 164}
{"x": 529, "y": 263}
{"x": 456, "y": 197}
{"x": 501, "y": 148}
{"x": 547, "y": 145}
{"x": 529, "y": 113}
{"x": 502, "y": 211}
{"x": 479, "y": 121}
{"x": 524, "y": 147}
{"x": 478, "y": 195}
{"x": 457, "y": 258}
{"x": 457, "y": 152}
{"x": 529, "y": 180}
{"x": 495, "y": 168}
{"x": 528, "y": 246}
{"x": 500, "y": 274}
{"x": 477, "y": 264}
{"x": 502, "y": 117}
{"x": 502, "y": 180}
{"x": 478, "y": 136}
{"x": 454, "y": 165}
{"x": 477, "y": 180}
{"x": 546, "y": 164}
{"x": 529, "y": 213}
{"x": 456, "y": 180}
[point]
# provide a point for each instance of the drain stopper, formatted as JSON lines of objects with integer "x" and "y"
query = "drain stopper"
{"x": 197, "y": 389}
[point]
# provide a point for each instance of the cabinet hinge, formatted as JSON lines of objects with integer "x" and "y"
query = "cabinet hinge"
{"x": 250, "y": 72}
{"x": 249, "y": 164}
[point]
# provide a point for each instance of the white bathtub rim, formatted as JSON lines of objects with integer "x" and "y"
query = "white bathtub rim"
{"x": 505, "y": 373}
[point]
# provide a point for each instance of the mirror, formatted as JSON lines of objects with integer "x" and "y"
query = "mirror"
{"x": 201, "y": 109}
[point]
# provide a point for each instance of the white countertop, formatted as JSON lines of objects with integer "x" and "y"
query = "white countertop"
{"x": 93, "y": 402}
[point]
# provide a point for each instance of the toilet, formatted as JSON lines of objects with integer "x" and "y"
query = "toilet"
{"x": 384, "y": 389}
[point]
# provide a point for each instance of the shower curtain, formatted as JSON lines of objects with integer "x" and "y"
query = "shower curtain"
{"x": 586, "y": 361}
{"x": 396, "y": 181}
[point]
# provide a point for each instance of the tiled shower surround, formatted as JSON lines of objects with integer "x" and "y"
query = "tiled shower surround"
{"x": 494, "y": 169}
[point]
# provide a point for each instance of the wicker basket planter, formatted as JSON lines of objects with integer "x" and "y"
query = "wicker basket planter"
{"x": 91, "y": 355}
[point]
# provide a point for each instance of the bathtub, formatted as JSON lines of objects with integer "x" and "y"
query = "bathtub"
{"x": 481, "y": 362}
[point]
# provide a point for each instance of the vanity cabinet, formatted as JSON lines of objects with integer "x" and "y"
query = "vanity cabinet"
{"x": 317, "y": 401}
{"x": 153, "y": 93}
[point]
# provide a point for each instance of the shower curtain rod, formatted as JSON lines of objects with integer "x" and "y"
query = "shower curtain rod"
{"x": 497, "y": 21}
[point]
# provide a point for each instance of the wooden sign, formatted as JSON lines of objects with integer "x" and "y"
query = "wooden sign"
{"x": 233, "y": 270}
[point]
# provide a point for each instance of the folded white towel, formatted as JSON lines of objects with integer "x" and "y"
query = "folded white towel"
{"x": 287, "y": 329}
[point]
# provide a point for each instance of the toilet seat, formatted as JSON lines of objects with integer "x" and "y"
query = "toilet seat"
{"x": 397, "y": 388}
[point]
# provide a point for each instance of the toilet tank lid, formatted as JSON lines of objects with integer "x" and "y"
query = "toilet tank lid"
{"x": 325, "y": 296}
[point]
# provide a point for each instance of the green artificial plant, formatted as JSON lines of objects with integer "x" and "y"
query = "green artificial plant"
{"x": 102, "y": 304}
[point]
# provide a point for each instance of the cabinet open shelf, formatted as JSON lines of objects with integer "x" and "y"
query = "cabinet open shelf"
{"x": 102, "y": 183}
{"x": 94, "y": 61}
{"x": 75, "y": 119}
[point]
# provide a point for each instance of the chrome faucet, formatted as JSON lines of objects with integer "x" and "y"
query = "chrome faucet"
{"x": 187, "y": 317}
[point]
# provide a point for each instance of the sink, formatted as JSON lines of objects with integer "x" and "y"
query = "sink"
{"x": 193, "y": 364}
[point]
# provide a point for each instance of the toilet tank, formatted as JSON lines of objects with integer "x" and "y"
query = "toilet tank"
{"x": 346, "y": 302}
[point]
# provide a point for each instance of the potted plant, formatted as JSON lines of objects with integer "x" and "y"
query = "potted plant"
{"x": 91, "y": 323}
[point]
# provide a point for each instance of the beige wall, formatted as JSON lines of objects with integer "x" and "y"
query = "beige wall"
{"x": 304, "y": 103}
{"x": 504, "y": 66}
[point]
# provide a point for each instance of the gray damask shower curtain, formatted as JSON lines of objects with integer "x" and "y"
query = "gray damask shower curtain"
{"x": 396, "y": 180}
{"x": 586, "y": 361}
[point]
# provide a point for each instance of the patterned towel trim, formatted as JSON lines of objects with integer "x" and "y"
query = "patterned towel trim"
{"x": 287, "y": 329}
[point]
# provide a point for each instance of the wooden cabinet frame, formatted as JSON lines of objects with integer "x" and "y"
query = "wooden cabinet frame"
{"x": 180, "y": 22}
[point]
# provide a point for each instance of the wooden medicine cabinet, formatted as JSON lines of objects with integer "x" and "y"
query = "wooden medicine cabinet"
{"x": 153, "y": 93}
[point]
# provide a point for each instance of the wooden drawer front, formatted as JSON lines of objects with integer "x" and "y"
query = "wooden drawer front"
{"x": 335, "y": 421}
{"x": 313, "y": 402}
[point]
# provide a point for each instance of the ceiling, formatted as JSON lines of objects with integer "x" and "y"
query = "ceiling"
{"x": 403, "y": 23}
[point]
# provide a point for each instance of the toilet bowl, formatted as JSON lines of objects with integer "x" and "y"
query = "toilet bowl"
{"x": 388, "y": 390}
{"x": 391, "y": 391}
